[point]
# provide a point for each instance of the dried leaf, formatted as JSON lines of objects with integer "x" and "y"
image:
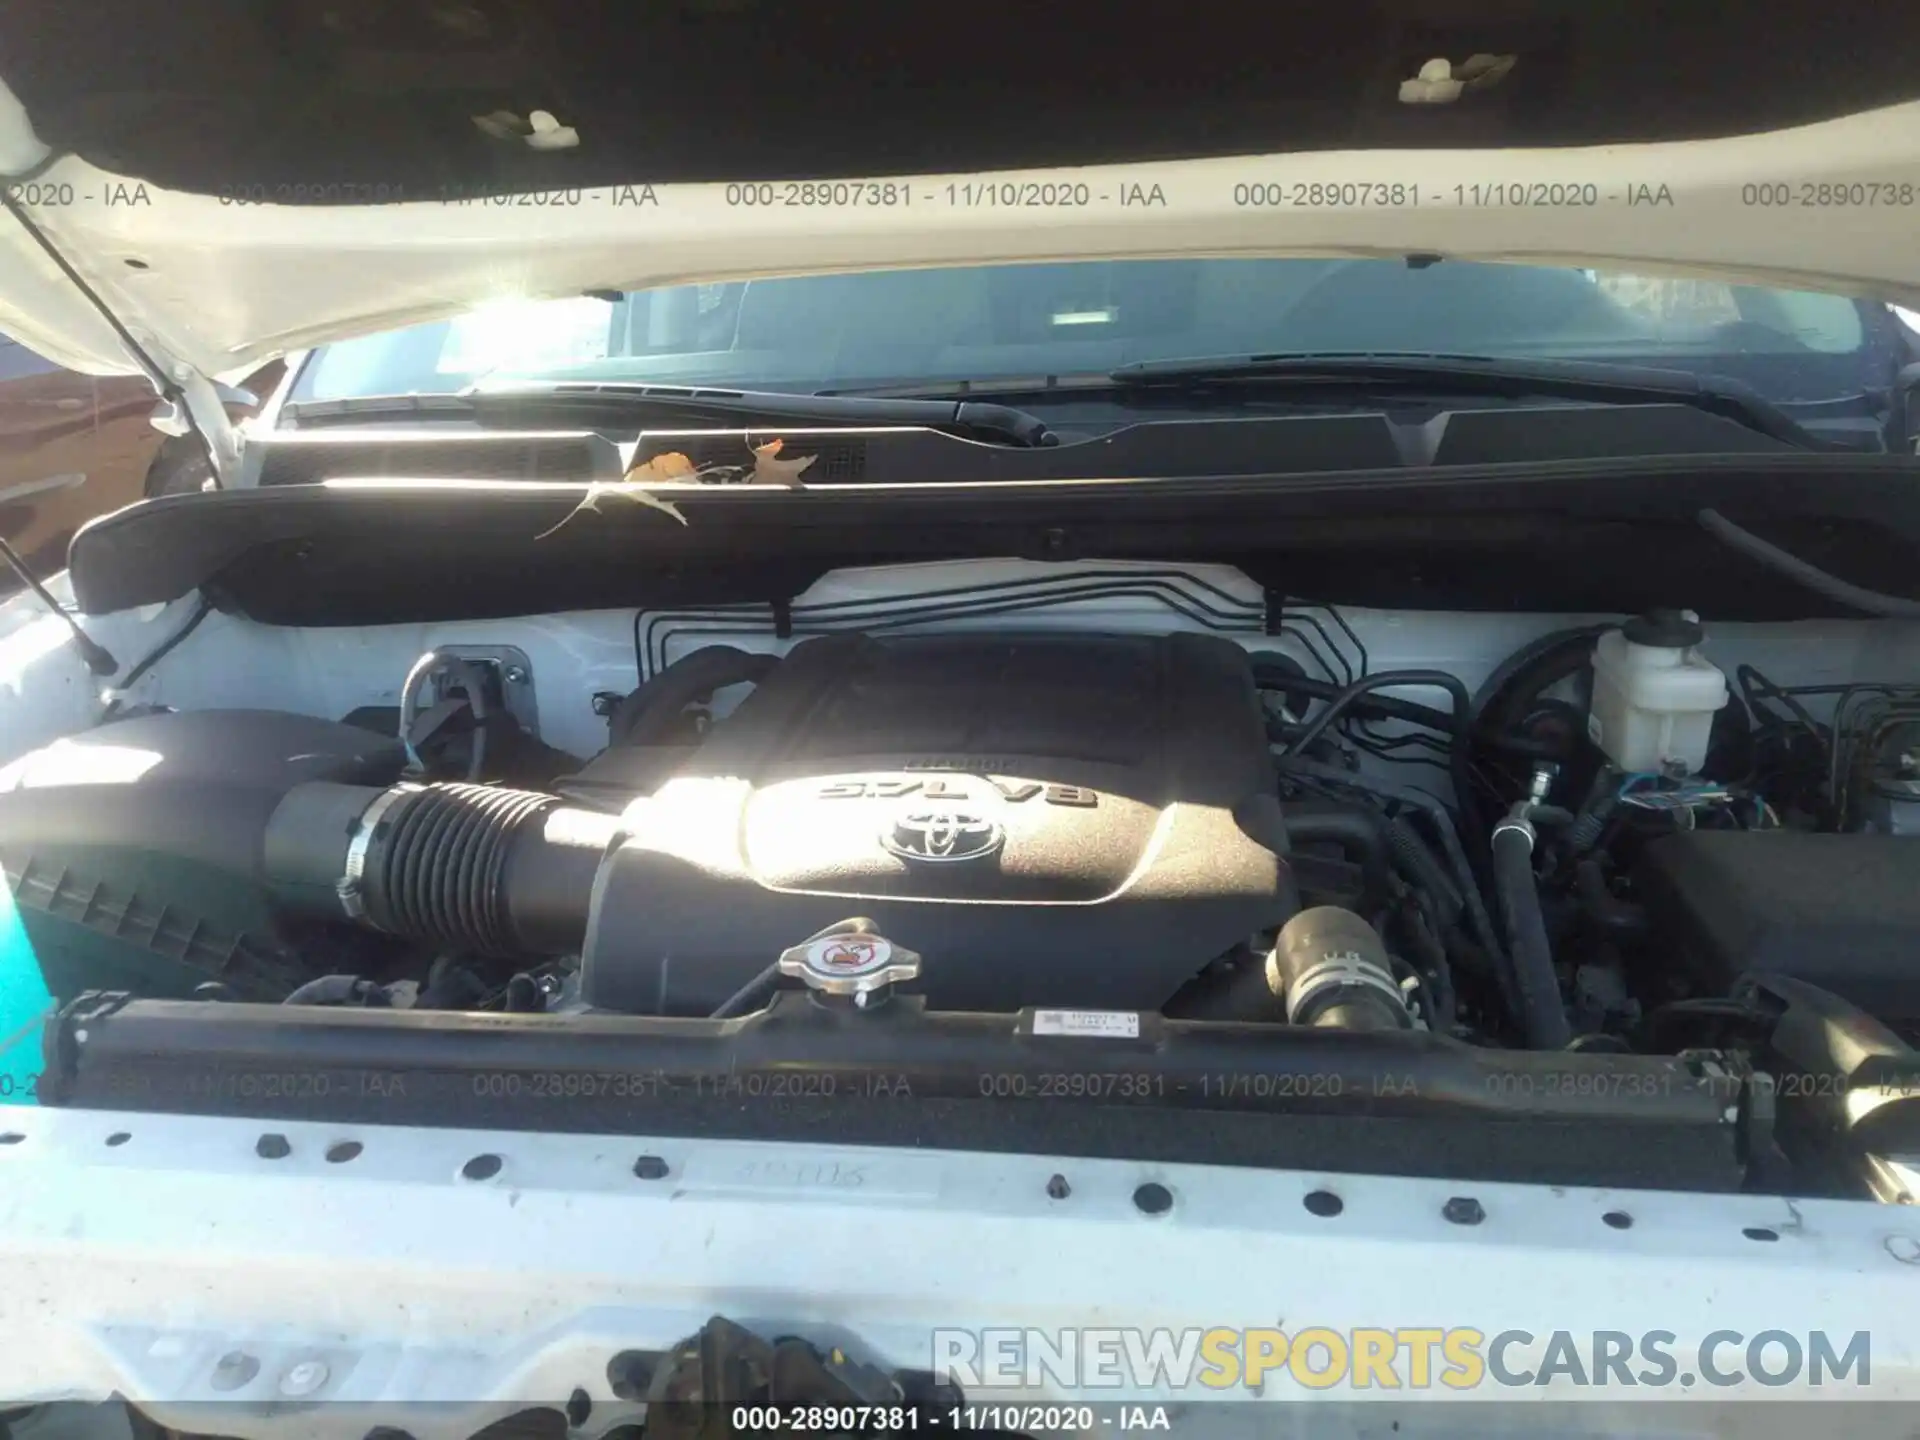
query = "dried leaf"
{"x": 619, "y": 489}
{"x": 549, "y": 134}
{"x": 769, "y": 469}
{"x": 673, "y": 468}
{"x": 670, "y": 466}
{"x": 1479, "y": 72}
{"x": 502, "y": 125}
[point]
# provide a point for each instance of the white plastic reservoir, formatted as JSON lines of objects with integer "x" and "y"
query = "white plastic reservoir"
{"x": 1654, "y": 694}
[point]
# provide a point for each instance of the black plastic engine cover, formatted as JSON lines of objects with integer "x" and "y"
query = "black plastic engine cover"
{"x": 1839, "y": 911}
{"x": 1080, "y": 820}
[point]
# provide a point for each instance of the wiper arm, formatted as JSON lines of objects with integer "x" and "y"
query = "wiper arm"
{"x": 1483, "y": 375}
{"x": 618, "y": 400}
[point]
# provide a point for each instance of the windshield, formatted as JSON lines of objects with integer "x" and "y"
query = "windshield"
{"x": 933, "y": 326}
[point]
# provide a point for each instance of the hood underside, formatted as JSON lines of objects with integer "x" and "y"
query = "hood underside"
{"x": 246, "y": 178}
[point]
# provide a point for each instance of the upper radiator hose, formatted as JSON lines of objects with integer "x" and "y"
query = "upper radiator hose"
{"x": 1332, "y": 970}
{"x": 467, "y": 867}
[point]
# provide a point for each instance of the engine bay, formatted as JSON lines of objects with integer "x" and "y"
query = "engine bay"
{"x": 1610, "y": 886}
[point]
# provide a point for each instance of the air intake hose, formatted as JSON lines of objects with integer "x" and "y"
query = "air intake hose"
{"x": 475, "y": 868}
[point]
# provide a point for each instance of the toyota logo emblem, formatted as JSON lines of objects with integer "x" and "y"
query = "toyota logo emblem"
{"x": 940, "y": 835}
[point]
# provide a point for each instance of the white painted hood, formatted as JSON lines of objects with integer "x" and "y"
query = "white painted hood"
{"x": 217, "y": 283}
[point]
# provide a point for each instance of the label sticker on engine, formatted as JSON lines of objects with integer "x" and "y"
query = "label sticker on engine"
{"x": 1113, "y": 1024}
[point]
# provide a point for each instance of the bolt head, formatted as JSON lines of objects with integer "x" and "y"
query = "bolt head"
{"x": 304, "y": 1377}
{"x": 1464, "y": 1210}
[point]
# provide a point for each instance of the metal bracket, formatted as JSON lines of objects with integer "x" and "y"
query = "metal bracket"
{"x": 1276, "y": 617}
{"x": 515, "y": 672}
{"x": 206, "y": 411}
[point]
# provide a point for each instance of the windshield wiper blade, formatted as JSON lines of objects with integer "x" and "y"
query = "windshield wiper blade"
{"x": 1604, "y": 383}
{"x": 618, "y": 400}
{"x": 351, "y": 408}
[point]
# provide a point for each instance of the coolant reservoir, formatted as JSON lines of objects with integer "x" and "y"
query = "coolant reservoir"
{"x": 1654, "y": 695}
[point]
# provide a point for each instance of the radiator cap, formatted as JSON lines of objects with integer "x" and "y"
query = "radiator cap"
{"x": 850, "y": 959}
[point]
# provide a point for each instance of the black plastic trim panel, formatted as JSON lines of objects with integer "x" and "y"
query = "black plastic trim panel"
{"x": 1210, "y": 1093}
{"x": 1567, "y": 536}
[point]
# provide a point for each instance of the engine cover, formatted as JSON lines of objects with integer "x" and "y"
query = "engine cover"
{"x": 1839, "y": 911}
{"x": 1075, "y": 820}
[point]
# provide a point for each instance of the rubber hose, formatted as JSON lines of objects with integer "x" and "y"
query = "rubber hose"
{"x": 1359, "y": 831}
{"x": 524, "y": 995}
{"x": 1543, "y": 1018}
{"x": 1443, "y": 827}
{"x": 1370, "y": 707}
{"x": 1809, "y": 576}
{"x": 1602, "y": 906}
{"x": 1439, "y": 984}
{"x": 1347, "y": 696}
{"x": 1269, "y": 674}
{"x": 437, "y": 867}
{"x": 468, "y": 676}
{"x": 1415, "y": 860}
{"x": 751, "y": 996}
{"x": 1333, "y": 971}
{"x": 645, "y": 715}
{"x": 1591, "y": 823}
{"x": 1459, "y": 758}
{"x": 1275, "y": 671}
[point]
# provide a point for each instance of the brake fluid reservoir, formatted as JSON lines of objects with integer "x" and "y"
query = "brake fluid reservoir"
{"x": 1654, "y": 694}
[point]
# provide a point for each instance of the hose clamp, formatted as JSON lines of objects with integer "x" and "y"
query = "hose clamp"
{"x": 1339, "y": 970}
{"x": 350, "y": 887}
{"x": 1520, "y": 825}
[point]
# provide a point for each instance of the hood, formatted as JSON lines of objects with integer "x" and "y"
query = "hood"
{"x": 253, "y": 178}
